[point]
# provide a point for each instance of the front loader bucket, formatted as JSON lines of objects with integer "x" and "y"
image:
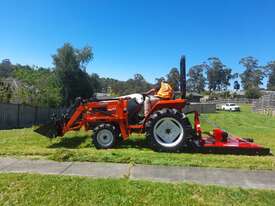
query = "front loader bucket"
{"x": 50, "y": 130}
{"x": 55, "y": 127}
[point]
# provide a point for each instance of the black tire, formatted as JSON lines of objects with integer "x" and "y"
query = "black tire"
{"x": 105, "y": 136}
{"x": 181, "y": 132}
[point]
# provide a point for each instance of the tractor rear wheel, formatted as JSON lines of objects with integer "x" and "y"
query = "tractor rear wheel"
{"x": 105, "y": 136}
{"x": 168, "y": 130}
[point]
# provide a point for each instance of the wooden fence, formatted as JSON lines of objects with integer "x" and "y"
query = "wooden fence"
{"x": 201, "y": 107}
{"x": 19, "y": 116}
{"x": 235, "y": 100}
{"x": 265, "y": 105}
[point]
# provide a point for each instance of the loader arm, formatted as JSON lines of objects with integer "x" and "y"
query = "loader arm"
{"x": 59, "y": 126}
{"x": 74, "y": 122}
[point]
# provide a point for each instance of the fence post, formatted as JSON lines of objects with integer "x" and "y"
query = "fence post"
{"x": 18, "y": 115}
{"x": 49, "y": 112}
{"x": 35, "y": 115}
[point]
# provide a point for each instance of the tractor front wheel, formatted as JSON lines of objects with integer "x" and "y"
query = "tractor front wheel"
{"x": 105, "y": 136}
{"x": 168, "y": 130}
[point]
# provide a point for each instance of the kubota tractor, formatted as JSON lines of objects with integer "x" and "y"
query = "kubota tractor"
{"x": 166, "y": 127}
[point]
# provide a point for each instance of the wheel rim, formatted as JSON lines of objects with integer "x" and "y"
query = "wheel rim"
{"x": 105, "y": 137}
{"x": 168, "y": 132}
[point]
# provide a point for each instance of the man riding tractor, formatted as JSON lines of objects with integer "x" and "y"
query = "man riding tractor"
{"x": 161, "y": 91}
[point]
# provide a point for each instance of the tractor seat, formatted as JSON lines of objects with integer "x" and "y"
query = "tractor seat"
{"x": 135, "y": 104}
{"x": 133, "y": 109}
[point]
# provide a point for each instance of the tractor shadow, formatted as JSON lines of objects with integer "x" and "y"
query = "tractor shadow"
{"x": 74, "y": 142}
{"x": 70, "y": 143}
{"x": 139, "y": 143}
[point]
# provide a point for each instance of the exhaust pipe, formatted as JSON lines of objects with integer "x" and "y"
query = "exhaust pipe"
{"x": 183, "y": 77}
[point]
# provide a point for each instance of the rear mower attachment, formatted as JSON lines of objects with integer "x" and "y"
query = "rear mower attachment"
{"x": 220, "y": 142}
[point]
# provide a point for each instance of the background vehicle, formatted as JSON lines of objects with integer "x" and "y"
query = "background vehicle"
{"x": 231, "y": 107}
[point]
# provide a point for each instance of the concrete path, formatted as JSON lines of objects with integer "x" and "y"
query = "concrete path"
{"x": 208, "y": 176}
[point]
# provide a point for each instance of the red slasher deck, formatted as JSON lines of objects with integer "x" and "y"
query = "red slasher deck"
{"x": 220, "y": 142}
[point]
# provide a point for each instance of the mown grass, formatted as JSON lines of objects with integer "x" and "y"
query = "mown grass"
{"x": 26, "y": 189}
{"x": 77, "y": 146}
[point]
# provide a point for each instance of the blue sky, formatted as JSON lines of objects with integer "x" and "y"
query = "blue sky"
{"x": 138, "y": 36}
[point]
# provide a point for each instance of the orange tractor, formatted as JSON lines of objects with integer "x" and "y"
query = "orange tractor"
{"x": 166, "y": 126}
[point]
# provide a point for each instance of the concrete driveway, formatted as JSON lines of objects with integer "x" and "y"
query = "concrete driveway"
{"x": 207, "y": 176}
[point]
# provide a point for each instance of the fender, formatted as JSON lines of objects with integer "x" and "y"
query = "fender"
{"x": 177, "y": 104}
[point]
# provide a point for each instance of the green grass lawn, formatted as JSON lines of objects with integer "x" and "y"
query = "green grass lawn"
{"x": 77, "y": 146}
{"x": 26, "y": 189}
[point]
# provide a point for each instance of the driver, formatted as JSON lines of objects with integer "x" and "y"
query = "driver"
{"x": 161, "y": 91}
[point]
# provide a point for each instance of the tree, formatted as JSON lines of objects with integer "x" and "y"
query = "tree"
{"x": 253, "y": 93}
{"x": 270, "y": 71}
{"x": 112, "y": 86}
{"x": 5, "y": 92}
{"x": 6, "y": 68}
{"x": 84, "y": 56}
{"x": 159, "y": 80}
{"x": 218, "y": 75}
{"x": 95, "y": 82}
{"x": 70, "y": 66}
{"x": 173, "y": 78}
{"x": 5, "y": 71}
{"x": 226, "y": 77}
{"x": 37, "y": 86}
{"x": 253, "y": 75}
{"x": 196, "y": 81}
{"x": 236, "y": 85}
{"x": 136, "y": 85}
